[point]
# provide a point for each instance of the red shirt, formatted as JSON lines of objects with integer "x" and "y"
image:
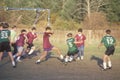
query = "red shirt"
{"x": 46, "y": 42}
{"x": 80, "y": 38}
{"x": 20, "y": 40}
{"x": 31, "y": 36}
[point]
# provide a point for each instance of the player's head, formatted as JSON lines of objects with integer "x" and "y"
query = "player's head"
{"x": 23, "y": 31}
{"x": 14, "y": 27}
{"x": 33, "y": 29}
{"x": 80, "y": 30}
{"x": 69, "y": 35}
{"x": 48, "y": 28}
{"x": 108, "y": 31}
{"x": 5, "y": 25}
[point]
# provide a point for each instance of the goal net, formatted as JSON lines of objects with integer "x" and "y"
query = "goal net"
{"x": 25, "y": 17}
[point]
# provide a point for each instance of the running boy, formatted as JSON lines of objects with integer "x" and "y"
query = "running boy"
{"x": 47, "y": 46}
{"x": 31, "y": 36}
{"x": 22, "y": 38}
{"x": 109, "y": 42}
{"x": 72, "y": 48}
{"x": 5, "y": 42}
{"x": 80, "y": 39}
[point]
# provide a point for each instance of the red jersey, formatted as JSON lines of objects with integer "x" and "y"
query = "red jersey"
{"x": 31, "y": 36}
{"x": 21, "y": 40}
{"x": 46, "y": 42}
{"x": 80, "y": 38}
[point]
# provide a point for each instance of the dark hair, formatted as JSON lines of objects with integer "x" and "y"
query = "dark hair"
{"x": 5, "y": 25}
{"x": 13, "y": 27}
{"x": 33, "y": 28}
{"x": 108, "y": 31}
{"x": 23, "y": 30}
{"x": 69, "y": 35}
{"x": 80, "y": 30}
{"x": 48, "y": 28}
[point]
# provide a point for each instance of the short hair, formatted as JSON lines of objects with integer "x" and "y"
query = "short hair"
{"x": 23, "y": 30}
{"x": 80, "y": 30}
{"x": 48, "y": 28}
{"x": 5, "y": 25}
{"x": 14, "y": 26}
{"x": 33, "y": 28}
{"x": 108, "y": 31}
{"x": 69, "y": 35}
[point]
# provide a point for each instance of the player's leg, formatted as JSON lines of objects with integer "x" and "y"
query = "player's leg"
{"x": 58, "y": 52}
{"x": 12, "y": 59}
{"x": 31, "y": 50}
{"x": 43, "y": 55}
{"x": 105, "y": 62}
{"x": 109, "y": 63}
{"x": 1, "y": 54}
{"x": 79, "y": 53}
{"x": 82, "y": 52}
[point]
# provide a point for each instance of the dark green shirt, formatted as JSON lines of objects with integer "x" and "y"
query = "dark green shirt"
{"x": 108, "y": 40}
{"x": 4, "y": 35}
{"x": 71, "y": 45}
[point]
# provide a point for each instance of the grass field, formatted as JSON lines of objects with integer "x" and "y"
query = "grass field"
{"x": 53, "y": 69}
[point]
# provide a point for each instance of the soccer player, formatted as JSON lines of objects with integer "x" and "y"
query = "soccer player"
{"x": 80, "y": 39}
{"x": 13, "y": 39}
{"x": 5, "y": 42}
{"x": 22, "y": 38}
{"x": 31, "y": 37}
{"x": 109, "y": 42}
{"x": 72, "y": 48}
{"x": 47, "y": 46}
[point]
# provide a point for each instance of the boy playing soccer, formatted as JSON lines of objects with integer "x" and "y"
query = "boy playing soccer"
{"x": 5, "y": 42}
{"x": 47, "y": 46}
{"x": 72, "y": 48}
{"x": 31, "y": 36}
{"x": 109, "y": 42}
{"x": 20, "y": 44}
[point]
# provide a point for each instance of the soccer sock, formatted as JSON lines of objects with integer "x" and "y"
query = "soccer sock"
{"x": 66, "y": 59}
{"x": 13, "y": 63}
{"x": 18, "y": 58}
{"x": 109, "y": 64}
{"x": 31, "y": 51}
{"x": 104, "y": 65}
{"x": 61, "y": 56}
{"x": 38, "y": 60}
{"x": 81, "y": 57}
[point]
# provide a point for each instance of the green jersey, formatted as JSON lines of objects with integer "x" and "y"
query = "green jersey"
{"x": 108, "y": 41}
{"x": 71, "y": 45}
{"x": 4, "y": 35}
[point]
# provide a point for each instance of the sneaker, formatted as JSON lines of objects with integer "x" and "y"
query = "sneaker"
{"x": 18, "y": 60}
{"x": 38, "y": 62}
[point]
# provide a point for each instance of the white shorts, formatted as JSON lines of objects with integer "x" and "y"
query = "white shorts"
{"x": 20, "y": 49}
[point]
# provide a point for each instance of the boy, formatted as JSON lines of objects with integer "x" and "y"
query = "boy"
{"x": 13, "y": 39}
{"x": 47, "y": 46}
{"x": 109, "y": 42}
{"x": 20, "y": 44}
{"x": 80, "y": 39}
{"x": 31, "y": 36}
{"x": 5, "y": 42}
{"x": 72, "y": 48}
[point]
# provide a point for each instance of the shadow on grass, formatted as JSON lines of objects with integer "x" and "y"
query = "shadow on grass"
{"x": 98, "y": 60}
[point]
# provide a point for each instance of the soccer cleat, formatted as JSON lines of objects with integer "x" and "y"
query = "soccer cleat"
{"x": 109, "y": 67}
{"x": 104, "y": 69}
{"x": 18, "y": 60}
{"x": 38, "y": 62}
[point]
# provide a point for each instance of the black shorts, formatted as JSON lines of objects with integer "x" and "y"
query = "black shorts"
{"x": 30, "y": 45}
{"x": 72, "y": 53}
{"x": 110, "y": 50}
{"x": 5, "y": 46}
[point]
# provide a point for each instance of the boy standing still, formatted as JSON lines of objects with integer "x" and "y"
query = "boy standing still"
{"x": 47, "y": 46}
{"x": 22, "y": 38}
{"x": 80, "y": 39}
{"x": 109, "y": 42}
{"x": 5, "y": 42}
